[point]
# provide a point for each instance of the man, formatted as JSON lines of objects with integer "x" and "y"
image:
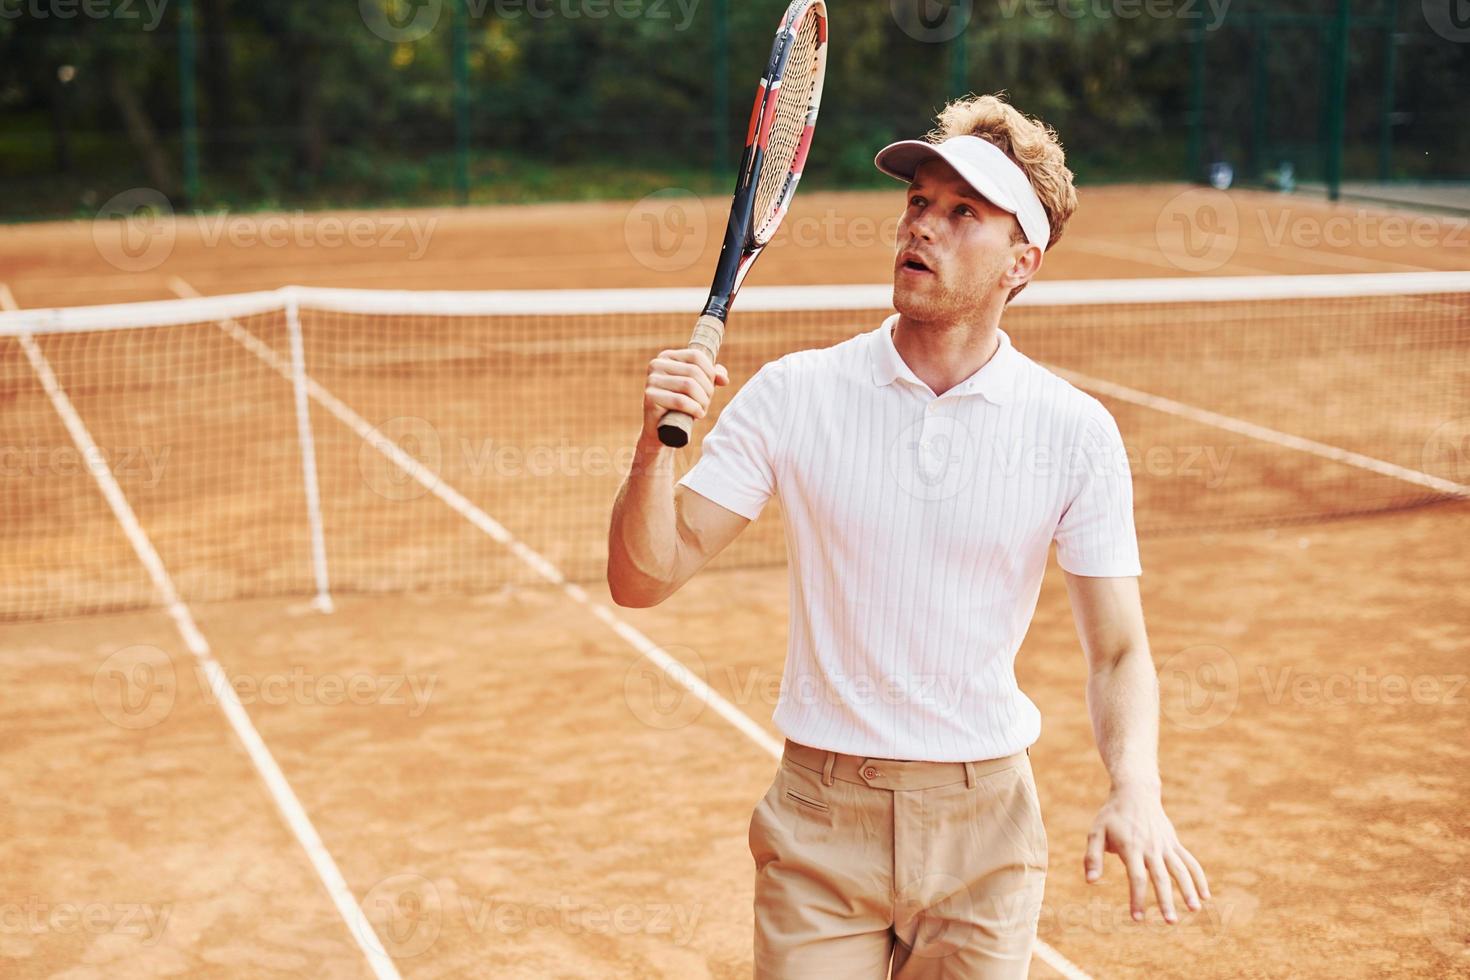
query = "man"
{"x": 924, "y": 469}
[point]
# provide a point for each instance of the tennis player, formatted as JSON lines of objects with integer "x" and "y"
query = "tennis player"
{"x": 924, "y": 469}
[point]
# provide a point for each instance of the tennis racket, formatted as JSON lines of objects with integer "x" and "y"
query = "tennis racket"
{"x": 781, "y": 125}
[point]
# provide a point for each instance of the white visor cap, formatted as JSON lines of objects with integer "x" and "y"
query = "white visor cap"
{"x": 985, "y": 167}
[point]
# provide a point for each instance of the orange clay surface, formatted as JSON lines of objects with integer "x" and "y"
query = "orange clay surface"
{"x": 511, "y": 790}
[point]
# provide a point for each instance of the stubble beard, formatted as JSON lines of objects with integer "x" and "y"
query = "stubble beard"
{"x": 941, "y": 303}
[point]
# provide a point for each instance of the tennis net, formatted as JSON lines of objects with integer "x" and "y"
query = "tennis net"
{"x": 313, "y": 441}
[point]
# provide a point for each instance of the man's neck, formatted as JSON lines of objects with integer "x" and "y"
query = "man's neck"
{"x": 943, "y": 355}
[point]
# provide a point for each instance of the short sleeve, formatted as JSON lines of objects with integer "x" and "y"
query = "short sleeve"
{"x": 736, "y": 467}
{"x": 1096, "y": 534}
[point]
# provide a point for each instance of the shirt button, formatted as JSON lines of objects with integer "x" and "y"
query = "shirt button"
{"x": 871, "y": 772}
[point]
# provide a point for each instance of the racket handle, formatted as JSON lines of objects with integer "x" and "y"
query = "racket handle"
{"x": 675, "y": 427}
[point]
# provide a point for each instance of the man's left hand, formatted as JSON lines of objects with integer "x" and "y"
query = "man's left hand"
{"x": 1132, "y": 825}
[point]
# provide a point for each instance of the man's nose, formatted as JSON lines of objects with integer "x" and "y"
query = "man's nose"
{"x": 922, "y": 227}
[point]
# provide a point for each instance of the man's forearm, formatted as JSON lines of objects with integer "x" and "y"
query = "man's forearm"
{"x": 643, "y": 539}
{"x": 1123, "y": 698}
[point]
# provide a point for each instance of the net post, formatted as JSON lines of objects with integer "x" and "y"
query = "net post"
{"x": 1337, "y": 96}
{"x": 1260, "y": 97}
{"x": 459, "y": 15}
{"x": 188, "y": 111}
{"x": 720, "y": 110}
{"x": 323, "y": 600}
{"x": 1196, "y": 36}
{"x": 1390, "y": 68}
{"x": 959, "y": 64}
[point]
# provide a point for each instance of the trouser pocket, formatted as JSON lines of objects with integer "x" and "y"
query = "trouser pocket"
{"x": 806, "y": 801}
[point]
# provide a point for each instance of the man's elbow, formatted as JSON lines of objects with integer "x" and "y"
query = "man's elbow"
{"x": 636, "y": 595}
{"x": 635, "y": 599}
{"x": 1107, "y": 658}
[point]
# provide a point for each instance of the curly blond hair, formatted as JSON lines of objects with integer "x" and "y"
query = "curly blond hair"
{"x": 1030, "y": 142}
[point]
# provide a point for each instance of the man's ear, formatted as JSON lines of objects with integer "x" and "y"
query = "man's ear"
{"x": 1024, "y": 266}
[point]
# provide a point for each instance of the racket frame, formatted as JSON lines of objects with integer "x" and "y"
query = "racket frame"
{"x": 743, "y": 242}
{"x": 741, "y": 247}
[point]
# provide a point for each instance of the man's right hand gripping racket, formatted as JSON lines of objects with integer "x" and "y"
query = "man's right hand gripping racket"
{"x": 780, "y": 135}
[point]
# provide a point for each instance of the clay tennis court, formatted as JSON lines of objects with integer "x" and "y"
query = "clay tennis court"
{"x": 510, "y": 785}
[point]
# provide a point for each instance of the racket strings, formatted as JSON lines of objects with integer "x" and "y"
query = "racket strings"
{"x": 793, "y": 106}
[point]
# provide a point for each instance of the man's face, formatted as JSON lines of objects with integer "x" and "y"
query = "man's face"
{"x": 953, "y": 248}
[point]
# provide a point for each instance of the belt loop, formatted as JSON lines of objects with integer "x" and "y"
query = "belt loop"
{"x": 970, "y": 775}
{"x": 827, "y": 768}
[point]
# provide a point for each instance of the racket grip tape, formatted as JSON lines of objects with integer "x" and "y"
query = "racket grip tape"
{"x": 675, "y": 427}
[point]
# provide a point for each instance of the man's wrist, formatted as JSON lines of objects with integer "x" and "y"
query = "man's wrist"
{"x": 1137, "y": 784}
{"x": 651, "y": 456}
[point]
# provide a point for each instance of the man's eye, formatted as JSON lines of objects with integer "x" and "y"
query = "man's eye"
{"x": 965, "y": 210}
{"x": 916, "y": 201}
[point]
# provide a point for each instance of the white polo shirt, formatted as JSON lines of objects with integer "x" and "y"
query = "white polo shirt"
{"x": 918, "y": 529}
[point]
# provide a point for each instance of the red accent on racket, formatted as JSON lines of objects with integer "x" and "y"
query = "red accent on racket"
{"x": 776, "y": 148}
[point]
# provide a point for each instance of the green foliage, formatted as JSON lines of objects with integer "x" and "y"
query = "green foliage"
{"x": 305, "y": 103}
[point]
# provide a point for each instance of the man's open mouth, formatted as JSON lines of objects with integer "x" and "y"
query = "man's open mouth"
{"x": 913, "y": 263}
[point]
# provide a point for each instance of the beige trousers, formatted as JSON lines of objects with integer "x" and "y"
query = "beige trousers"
{"x": 935, "y": 869}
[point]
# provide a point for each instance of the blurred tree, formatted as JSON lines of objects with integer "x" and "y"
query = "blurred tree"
{"x": 216, "y": 63}
{"x": 311, "y": 102}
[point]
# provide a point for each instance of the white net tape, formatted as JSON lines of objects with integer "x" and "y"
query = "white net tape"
{"x": 1322, "y": 395}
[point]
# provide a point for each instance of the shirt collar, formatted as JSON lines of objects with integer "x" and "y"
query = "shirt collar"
{"x": 995, "y": 381}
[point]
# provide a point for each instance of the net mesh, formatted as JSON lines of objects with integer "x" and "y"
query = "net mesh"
{"x": 793, "y": 105}
{"x": 196, "y": 432}
{"x": 1236, "y": 412}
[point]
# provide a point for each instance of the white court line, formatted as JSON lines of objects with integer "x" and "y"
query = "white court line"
{"x": 1285, "y": 439}
{"x": 219, "y": 682}
{"x": 431, "y": 481}
{"x": 1251, "y": 247}
{"x": 1149, "y": 256}
{"x": 1323, "y": 257}
{"x": 461, "y": 505}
